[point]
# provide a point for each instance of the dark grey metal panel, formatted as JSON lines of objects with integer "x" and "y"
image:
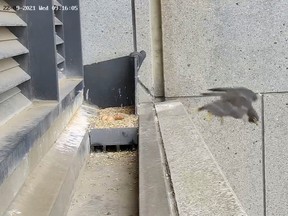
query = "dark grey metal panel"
{"x": 72, "y": 38}
{"x": 113, "y": 136}
{"x": 110, "y": 83}
{"x": 42, "y": 61}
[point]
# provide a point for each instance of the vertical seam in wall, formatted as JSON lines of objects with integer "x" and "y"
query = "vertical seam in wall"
{"x": 157, "y": 46}
{"x": 162, "y": 50}
{"x": 134, "y": 25}
{"x": 263, "y": 156}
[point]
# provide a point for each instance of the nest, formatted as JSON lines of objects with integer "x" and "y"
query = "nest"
{"x": 115, "y": 117}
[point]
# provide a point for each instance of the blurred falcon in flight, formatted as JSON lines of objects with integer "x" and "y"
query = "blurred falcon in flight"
{"x": 234, "y": 102}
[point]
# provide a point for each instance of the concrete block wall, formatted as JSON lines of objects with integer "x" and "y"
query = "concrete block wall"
{"x": 235, "y": 43}
{"x": 216, "y": 43}
{"x": 106, "y": 28}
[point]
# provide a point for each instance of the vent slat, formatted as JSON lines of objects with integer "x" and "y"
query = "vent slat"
{"x": 59, "y": 40}
{"x": 11, "y": 48}
{"x": 5, "y": 34}
{"x": 5, "y": 7}
{"x": 57, "y": 21}
{"x": 60, "y": 59}
{"x": 10, "y": 19}
{"x": 55, "y": 2}
{"x": 12, "y": 78}
{"x": 8, "y": 94}
{"x": 8, "y": 63}
{"x": 13, "y": 106}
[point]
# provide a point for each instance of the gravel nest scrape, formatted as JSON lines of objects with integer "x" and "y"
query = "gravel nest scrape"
{"x": 115, "y": 117}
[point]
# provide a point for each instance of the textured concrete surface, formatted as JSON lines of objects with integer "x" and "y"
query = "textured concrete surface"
{"x": 21, "y": 165}
{"x": 142, "y": 95}
{"x": 47, "y": 190}
{"x": 224, "y": 43}
{"x": 108, "y": 185}
{"x": 199, "y": 184}
{"x": 106, "y": 28}
{"x": 144, "y": 41}
{"x": 153, "y": 199}
{"x": 67, "y": 86}
{"x": 237, "y": 147}
{"x": 276, "y": 153}
{"x": 148, "y": 19}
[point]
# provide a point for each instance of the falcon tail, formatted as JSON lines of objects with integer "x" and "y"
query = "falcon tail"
{"x": 201, "y": 108}
{"x": 212, "y": 94}
{"x": 219, "y": 89}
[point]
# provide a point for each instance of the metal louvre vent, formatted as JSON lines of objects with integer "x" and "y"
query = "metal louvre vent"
{"x": 57, "y": 21}
{"x": 12, "y": 100}
{"x": 59, "y": 41}
{"x": 8, "y": 16}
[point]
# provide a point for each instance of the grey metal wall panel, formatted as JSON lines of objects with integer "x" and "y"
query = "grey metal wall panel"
{"x": 72, "y": 38}
{"x": 110, "y": 83}
{"x": 42, "y": 51}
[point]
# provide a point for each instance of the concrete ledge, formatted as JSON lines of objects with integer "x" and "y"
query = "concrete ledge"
{"x": 47, "y": 191}
{"x": 153, "y": 199}
{"x": 199, "y": 184}
{"x": 68, "y": 85}
{"x": 26, "y": 138}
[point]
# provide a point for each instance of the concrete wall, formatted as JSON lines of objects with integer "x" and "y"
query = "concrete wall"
{"x": 235, "y": 43}
{"x": 106, "y": 28}
{"x": 149, "y": 38}
{"x": 215, "y": 43}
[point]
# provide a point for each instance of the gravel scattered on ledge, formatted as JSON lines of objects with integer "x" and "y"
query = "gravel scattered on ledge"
{"x": 115, "y": 117}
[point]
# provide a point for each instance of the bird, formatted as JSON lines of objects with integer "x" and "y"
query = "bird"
{"x": 232, "y": 93}
{"x": 234, "y": 102}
